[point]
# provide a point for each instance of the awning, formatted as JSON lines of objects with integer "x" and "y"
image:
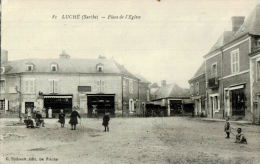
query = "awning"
{"x": 236, "y": 87}
{"x": 64, "y": 97}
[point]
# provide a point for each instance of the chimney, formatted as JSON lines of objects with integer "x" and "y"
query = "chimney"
{"x": 237, "y": 21}
{"x": 64, "y": 55}
{"x": 163, "y": 83}
{"x": 101, "y": 57}
{"x": 4, "y": 56}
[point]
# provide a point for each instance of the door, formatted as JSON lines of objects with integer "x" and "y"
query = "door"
{"x": 103, "y": 103}
{"x": 227, "y": 103}
{"x": 238, "y": 102}
{"x": 29, "y": 106}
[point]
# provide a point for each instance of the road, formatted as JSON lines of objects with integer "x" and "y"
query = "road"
{"x": 130, "y": 140}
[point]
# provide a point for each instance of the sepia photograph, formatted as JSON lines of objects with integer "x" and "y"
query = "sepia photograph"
{"x": 130, "y": 82}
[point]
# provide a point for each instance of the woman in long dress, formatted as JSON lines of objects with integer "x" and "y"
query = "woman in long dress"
{"x": 74, "y": 119}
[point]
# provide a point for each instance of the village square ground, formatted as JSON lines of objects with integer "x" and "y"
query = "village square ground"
{"x": 130, "y": 140}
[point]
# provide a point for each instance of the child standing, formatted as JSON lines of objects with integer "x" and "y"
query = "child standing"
{"x": 105, "y": 123}
{"x": 62, "y": 118}
{"x": 227, "y": 128}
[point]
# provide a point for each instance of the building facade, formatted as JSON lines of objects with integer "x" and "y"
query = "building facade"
{"x": 255, "y": 81}
{"x": 198, "y": 91}
{"x": 231, "y": 68}
{"x": 65, "y": 83}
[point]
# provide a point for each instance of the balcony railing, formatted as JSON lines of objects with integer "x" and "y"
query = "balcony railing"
{"x": 213, "y": 83}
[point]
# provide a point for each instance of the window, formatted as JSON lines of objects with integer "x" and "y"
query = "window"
{"x": 54, "y": 67}
{"x": 235, "y": 61}
{"x": 191, "y": 89}
{"x": 100, "y": 67}
{"x": 197, "y": 88}
{"x": 215, "y": 103}
{"x": 100, "y": 86}
{"x": 124, "y": 84}
{"x": 29, "y": 68}
{"x": 29, "y": 86}
{"x": 214, "y": 70}
{"x": 2, "y": 86}
{"x": 258, "y": 70}
{"x": 53, "y": 86}
{"x": 258, "y": 42}
{"x": 131, "y": 87}
{"x": 2, "y": 104}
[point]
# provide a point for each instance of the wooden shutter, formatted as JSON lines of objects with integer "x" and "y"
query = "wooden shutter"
{"x": 50, "y": 86}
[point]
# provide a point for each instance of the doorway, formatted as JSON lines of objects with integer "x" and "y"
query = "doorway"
{"x": 29, "y": 106}
{"x": 102, "y": 102}
{"x": 238, "y": 99}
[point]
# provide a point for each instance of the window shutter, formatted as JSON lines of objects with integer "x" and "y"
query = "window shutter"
{"x": 6, "y": 104}
{"x": 56, "y": 86}
{"x": 50, "y": 86}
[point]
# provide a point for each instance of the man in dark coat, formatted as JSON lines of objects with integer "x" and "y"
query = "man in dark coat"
{"x": 74, "y": 119}
{"x": 105, "y": 123}
{"x": 62, "y": 118}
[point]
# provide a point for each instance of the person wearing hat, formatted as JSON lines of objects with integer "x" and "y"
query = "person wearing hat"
{"x": 240, "y": 138}
{"x": 62, "y": 118}
{"x": 74, "y": 119}
{"x": 105, "y": 123}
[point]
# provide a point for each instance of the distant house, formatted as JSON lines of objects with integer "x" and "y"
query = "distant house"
{"x": 172, "y": 97}
{"x": 198, "y": 91}
{"x": 64, "y": 83}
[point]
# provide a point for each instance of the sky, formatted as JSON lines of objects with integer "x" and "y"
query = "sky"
{"x": 166, "y": 42}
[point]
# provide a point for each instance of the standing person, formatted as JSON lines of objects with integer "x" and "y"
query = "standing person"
{"x": 74, "y": 119}
{"x": 105, "y": 123}
{"x": 50, "y": 112}
{"x": 62, "y": 118}
{"x": 227, "y": 127}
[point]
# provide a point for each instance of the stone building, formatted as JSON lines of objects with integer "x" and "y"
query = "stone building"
{"x": 231, "y": 68}
{"x": 64, "y": 83}
{"x": 198, "y": 91}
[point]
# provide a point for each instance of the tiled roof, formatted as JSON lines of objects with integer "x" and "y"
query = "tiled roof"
{"x": 67, "y": 66}
{"x": 200, "y": 71}
{"x": 172, "y": 90}
{"x": 141, "y": 78}
{"x": 222, "y": 40}
{"x": 251, "y": 25}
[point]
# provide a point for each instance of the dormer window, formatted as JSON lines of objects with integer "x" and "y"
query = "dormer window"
{"x": 54, "y": 67}
{"x": 258, "y": 42}
{"x": 100, "y": 67}
{"x": 29, "y": 67}
{"x": 2, "y": 70}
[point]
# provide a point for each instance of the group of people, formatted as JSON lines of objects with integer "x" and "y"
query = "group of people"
{"x": 240, "y": 137}
{"x": 39, "y": 121}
